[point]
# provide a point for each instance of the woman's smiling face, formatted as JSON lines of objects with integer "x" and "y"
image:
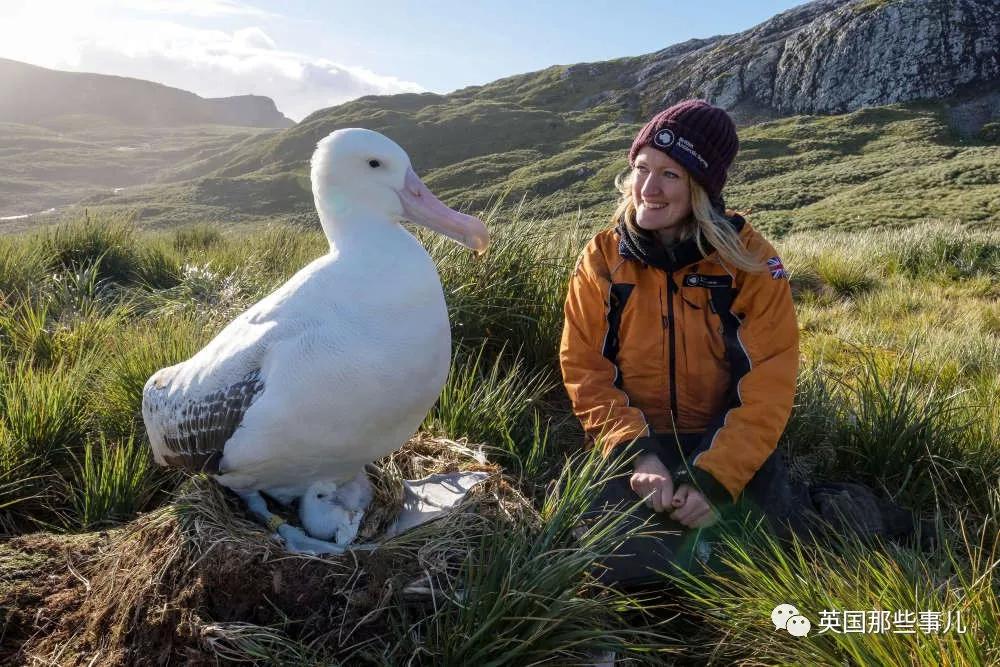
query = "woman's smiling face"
{"x": 661, "y": 191}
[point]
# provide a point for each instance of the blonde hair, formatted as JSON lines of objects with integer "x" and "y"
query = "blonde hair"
{"x": 707, "y": 224}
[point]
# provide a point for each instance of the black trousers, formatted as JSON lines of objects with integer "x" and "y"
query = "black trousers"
{"x": 770, "y": 499}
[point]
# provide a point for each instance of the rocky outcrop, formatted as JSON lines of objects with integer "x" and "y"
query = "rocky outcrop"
{"x": 825, "y": 57}
{"x": 859, "y": 55}
{"x": 248, "y": 110}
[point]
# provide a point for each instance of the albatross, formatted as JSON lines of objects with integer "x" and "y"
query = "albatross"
{"x": 335, "y": 368}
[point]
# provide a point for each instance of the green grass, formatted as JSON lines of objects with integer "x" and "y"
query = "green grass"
{"x": 961, "y": 579}
{"x": 511, "y": 297}
{"x": 496, "y": 402}
{"x": 524, "y": 595}
{"x": 901, "y": 355}
{"x": 111, "y": 482}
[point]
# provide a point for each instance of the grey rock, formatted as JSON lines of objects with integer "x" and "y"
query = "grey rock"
{"x": 827, "y": 57}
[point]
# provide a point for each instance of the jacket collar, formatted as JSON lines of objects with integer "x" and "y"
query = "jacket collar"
{"x": 642, "y": 246}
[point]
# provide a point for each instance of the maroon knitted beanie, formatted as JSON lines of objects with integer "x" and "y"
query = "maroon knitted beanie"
{"x": 700, "y": 136}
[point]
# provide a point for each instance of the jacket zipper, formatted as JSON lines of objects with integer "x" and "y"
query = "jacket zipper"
{"x": 671, "y": 288}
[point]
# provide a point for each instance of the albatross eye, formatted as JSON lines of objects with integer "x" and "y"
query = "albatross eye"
{"x": 374, "y": 163}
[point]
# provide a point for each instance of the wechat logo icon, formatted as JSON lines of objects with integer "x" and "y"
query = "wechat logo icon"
{"x": 787, "y": 617}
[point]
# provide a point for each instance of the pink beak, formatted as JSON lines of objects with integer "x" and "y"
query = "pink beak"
{"x": 423, "y": 208}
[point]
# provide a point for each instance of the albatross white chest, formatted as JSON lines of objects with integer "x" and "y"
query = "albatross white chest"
{"x": 339, "y": 365}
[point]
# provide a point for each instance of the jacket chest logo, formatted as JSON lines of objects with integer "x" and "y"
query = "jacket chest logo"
{"x": 702, "y": 280}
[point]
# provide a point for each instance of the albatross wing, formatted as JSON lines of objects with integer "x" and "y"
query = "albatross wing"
{"x": 191, "y": 432}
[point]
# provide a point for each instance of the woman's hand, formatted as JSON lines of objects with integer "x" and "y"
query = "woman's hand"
{"x": 691, "y": 508}
{"x": 651, "y": 480}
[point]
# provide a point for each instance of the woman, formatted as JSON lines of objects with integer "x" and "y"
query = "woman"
{"x": 680, "y": 333}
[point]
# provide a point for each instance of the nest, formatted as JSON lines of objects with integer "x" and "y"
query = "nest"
{"x": 197, "y": 581}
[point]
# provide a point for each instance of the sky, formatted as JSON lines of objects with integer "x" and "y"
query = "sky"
{"x": 309, "y": 54}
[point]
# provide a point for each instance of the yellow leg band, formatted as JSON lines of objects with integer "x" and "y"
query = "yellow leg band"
{"x": 274, "y": 522}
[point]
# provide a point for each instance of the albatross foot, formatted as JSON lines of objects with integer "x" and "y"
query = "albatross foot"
{"x": 296, "y": 540}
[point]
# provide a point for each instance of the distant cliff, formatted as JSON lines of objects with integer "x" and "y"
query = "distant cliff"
{"x": 33, "y": 95}
{"x": 248, "y": 110}
{"x": 823, "y": 57}
{"x": 833, "y": 56}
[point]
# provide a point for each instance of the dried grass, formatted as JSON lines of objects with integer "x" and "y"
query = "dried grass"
{"x": 197, "y": 581}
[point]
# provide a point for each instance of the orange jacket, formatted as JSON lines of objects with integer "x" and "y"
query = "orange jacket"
{"x": 691, "y": 347}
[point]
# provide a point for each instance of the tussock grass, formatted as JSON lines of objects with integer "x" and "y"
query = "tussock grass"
{"x": 89, "y": 241}
{"x": 42, "y": 418}
{"x": 930, "y": 249}
{"x": 205, "y": 292}
{"x": 111, "y": 244}
{"x": 919, "y": 440}
{"x": 272, "y": 254}
{"x": 757, "y": 573}
{"x": 79, "y": 289}
{"x": 902, "y": 355}
{"x": 111, "y": 482}
{"x": 42, "y": 410}
{"x": 512, "y": 296}
{"x": 140, "y": 350}
{"x": 894, "y": 427}
{"x": 492, "y": 401}
{"x": 847, "y": 276}
{"x": 525, "y": 594}
{"x": 196, "y": 237}
{"x": 25, "y": 327}
{"x": 23, "y": 266}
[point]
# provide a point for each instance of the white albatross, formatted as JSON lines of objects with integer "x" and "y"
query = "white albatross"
{"x": 335, "y": 368}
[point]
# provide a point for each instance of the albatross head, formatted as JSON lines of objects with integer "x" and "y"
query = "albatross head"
{"x": 356, "y": 170}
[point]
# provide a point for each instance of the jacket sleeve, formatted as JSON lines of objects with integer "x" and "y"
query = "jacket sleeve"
{"x": 588, "y": 374}
{"x": 767, "y": 345}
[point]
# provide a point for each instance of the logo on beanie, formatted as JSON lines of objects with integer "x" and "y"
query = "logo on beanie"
{"x": 663, "y": 139}
{"x": 689, "y": 147}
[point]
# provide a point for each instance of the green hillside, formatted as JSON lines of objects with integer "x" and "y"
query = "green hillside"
{"x": 887, "y": 165}
{"x": 853, "y": 113}
{"x": 39, "y": 96}
{"x": 83, "y": 157}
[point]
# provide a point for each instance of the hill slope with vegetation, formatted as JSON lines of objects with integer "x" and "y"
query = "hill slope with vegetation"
{"x": 53, "y": 167}
{"x": 68, "y": 136}
{"x": 35, "y": 95}
{"x": 899, "y": 128}
{"x": 884, "y": 166}
{"x": 903, "y": 123}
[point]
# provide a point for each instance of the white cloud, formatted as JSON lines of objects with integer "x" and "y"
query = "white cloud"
{"x": 253, "y": 38}
{"x": 201, "y": 8}
{"x": 209, "y": 62}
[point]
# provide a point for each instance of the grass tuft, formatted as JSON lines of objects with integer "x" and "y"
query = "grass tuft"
{"x": 491, "y": 401}
{"x": 196, "y": 238}
{"x": 895, "y": 426}
{"x": 112, "y": 482}
{"x": 138, "y": 352}
{"x": 512, "y": 296}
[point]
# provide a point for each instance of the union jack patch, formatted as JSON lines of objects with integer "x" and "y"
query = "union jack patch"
{"x": 777, "y": 268}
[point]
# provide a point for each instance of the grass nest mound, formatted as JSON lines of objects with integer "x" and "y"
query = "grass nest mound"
{"x": 198, "y": 581}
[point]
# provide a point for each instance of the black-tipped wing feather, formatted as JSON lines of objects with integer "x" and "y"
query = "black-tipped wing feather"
{"x": 193, "y": 431}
